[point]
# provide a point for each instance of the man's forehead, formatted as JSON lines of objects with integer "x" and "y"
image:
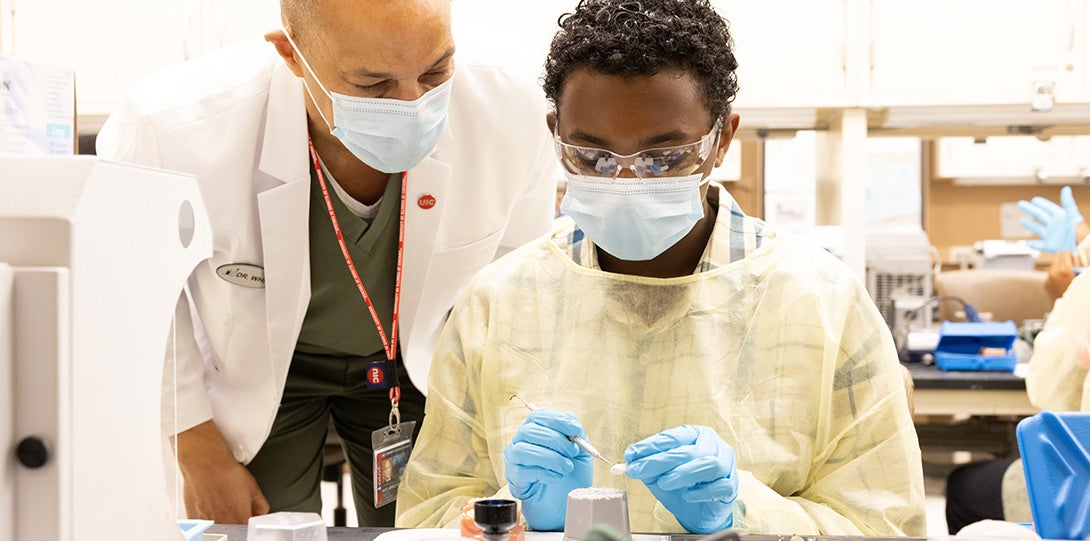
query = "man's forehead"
{"x": 361, "y": 18}
{"x": 399, "y": 37}
{"x": 377, "y": 13}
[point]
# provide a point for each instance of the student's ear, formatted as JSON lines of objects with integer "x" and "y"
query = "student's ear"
{"x": 550, "y": 120}
{"x": 285, "y": 50}
{"x": 730, "y": 125}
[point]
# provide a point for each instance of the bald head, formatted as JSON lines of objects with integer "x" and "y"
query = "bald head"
{"x": 296, "y": 13}
{"x": 367, "y": 48}
{"x": 302, "y": 16}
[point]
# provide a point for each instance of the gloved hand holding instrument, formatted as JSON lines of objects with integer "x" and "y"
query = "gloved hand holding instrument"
{"x": 543, "y": 464}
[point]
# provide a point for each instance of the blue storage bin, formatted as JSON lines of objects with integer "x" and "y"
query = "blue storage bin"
{"x": 1056, "y": 462}
{"x": 960, "y": 346}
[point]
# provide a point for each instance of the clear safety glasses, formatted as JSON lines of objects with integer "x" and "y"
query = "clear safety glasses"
{"x": 677, "y": 161}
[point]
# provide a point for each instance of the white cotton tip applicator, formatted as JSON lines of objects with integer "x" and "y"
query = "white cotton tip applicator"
{"x": 619, "y": 469}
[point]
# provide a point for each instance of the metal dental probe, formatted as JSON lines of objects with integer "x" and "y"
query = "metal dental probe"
{"x": 582, "y": 443}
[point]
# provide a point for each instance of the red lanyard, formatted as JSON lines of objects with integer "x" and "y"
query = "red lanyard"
{"x": 389, "y": 345}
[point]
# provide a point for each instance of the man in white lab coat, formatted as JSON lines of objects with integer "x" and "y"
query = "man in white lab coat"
{"x": 294, "y": 318}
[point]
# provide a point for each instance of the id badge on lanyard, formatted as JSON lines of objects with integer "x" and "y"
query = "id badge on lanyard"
{"x": 392, "y": 444}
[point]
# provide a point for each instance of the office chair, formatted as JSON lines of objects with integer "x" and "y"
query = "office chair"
{"x": 1008, "y": 294}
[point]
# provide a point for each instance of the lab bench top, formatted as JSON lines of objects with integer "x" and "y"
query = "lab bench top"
{"x": 238, "y": 532}
{"x": 931, "y": 377}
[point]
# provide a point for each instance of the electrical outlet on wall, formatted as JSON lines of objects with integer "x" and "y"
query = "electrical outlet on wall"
{"x": 1009, "y": 222}
{"x": 962, "y": 255}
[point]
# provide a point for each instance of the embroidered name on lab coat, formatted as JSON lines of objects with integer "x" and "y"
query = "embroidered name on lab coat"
{"x": 242, "y": 274}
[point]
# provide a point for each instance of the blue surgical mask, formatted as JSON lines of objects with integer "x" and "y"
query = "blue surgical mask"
{"x": 634, "y": 219}
{"x": 387, "y": 134}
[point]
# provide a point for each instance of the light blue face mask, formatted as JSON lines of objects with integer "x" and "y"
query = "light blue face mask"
{"x": 387, "y": 134}
{"x": 631, "y": 218}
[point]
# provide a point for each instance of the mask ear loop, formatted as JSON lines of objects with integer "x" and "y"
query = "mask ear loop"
{"x": 316, "y": 79}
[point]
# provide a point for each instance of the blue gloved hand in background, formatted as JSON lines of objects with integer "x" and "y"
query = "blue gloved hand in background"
{"x": 691, "y": 471}
{"x": 543, "y": 465}
{"x": 1054, "y": 224}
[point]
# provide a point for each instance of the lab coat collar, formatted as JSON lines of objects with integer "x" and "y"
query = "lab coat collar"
{"x": 284, "y": 154}
{"x": 432, "y": 177}
{"x": 422, "y": 224}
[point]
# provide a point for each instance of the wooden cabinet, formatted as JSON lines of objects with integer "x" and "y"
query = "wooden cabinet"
{"x": 795, "y": 61}
{"x": 793, "y": 53}
{"x": 1013, "y": 160}
{"x": 974, "y": 52}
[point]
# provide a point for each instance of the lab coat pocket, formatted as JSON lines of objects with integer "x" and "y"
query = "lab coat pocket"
{"x": 230, "y": 300}
{"x": 449, "y": 272}
{"x": 457, "y": 265}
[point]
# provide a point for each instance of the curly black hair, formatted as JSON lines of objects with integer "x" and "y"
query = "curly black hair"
{"x": 642, "y": 37}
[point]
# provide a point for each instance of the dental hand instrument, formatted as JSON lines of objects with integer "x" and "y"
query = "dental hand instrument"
{"x": 615, "y": 469}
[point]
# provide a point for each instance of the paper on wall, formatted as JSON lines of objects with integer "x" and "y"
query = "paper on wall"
{"x": 37, "y": 109}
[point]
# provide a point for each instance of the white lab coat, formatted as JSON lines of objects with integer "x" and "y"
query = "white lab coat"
{"x": 237, "y": 121}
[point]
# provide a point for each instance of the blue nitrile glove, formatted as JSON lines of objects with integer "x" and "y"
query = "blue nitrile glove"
{"x": 690, "y": 469}
{"x": 543, "y": 466}
{"x": 1054, "y": 224}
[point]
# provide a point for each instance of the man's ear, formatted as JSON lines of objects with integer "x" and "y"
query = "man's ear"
{"x": 285, "y": 50}
{"x": 725, "y": 137}
{"x": 550, "y": 120}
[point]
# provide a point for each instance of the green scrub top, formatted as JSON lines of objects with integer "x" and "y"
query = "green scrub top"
{"x": 337, "y": 321}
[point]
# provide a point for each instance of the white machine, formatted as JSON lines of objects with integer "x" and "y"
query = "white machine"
{"x": 93, "y": 256}
{"x": 899, "y": 272}
{"x": 1004, "y": 254}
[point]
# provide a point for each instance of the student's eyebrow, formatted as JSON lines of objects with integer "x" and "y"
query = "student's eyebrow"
{"x": 587, "y": 139}
{"x": 668, "y": 137}
{"x": 592, "y": 140}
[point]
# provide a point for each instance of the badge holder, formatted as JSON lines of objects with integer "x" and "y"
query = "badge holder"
{"x": 392, "y": 446}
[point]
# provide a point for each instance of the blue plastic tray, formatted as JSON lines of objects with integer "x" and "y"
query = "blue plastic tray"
{"x": 960, "y": 344}
{"x": 1056, "y": 463}
{"x": 192, "y": 528}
